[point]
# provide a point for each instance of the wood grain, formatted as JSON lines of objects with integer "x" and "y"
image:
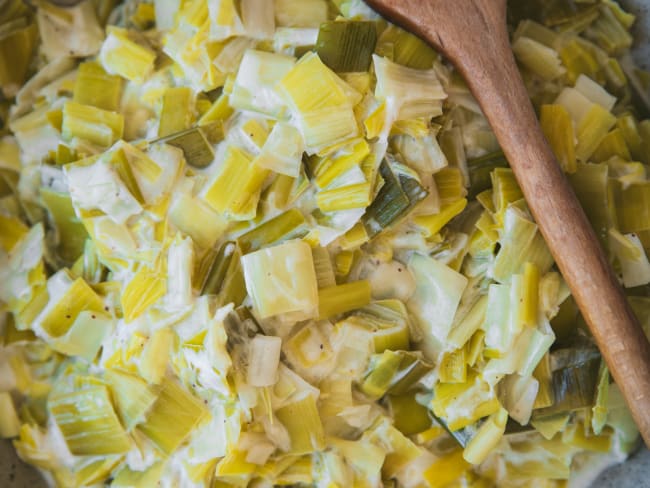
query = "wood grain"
{"x": 473, "y": 35}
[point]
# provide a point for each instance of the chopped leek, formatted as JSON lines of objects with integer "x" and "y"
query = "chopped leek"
{"x": 347, "y": 46}
{"x": 173, "y": 402}
{"x": 88, "y": 422}
{"x": 282, "y": 279}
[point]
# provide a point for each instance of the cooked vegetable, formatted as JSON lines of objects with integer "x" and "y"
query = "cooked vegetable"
{"x": 276, "y": 243}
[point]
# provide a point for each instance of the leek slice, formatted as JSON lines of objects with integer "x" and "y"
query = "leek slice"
{"x": 95, "y": 125}
{"x": 264, "y": 356}
{"x": 574, "y": 383}
{"x": 303, "y": 423}
{"x": 540, "y": 59}
{"x": 74, "y": 297}
{"x": 436, "y": 299}
{"x": 414, "y": 93}
{"x": 487, "y": 437}
{"x": 327, "y": 118}
{"x": 339, "y": 299}
{"x": 175, "y": 115}
{"x": 346, "y": 46}
{"x": 88, "y": 422}
{"x": 195, "y": 146}
{"x": 95, "y": 87}
{"x": 71, "y": 233}
{"x": 399, "y": 195}
{"x": 236, "y": 189}
{"x": 282, "y": 151}
{"x": 558, "y": 129}
{"x": 300, "y": 13}
{"x": 9, "y": 421}
{"x": 255, "y": 85}
{"x": 133, "y": 397}
{"x": 173, "y": 402}
{"x": 120, "y": 55}
{"x": 281, "y": 279}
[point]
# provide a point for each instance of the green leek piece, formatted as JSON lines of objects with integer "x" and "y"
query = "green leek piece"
{"x": 599, "y": 410}
{"x": 196, "y": 147}
{"x": 578, "y": 60}
{"x": 71, "y": 232}
{"x": 97, "y": 88}
{"x": 88, "y": 422}
{"x": 303, "y": 424}
{"x": 347, "y": 46}
{"x": 480, "y": 170}
{"x": 405, "y": 48}
{"x": 578, "y": 436}
{"x": 466, "y": 325}
{"x": 558, "y": 128}
{"x": 591, "y": 131}
{"x": 505, "y": 189}
{"x": 544, "y": 376}
{"x": 205, "y": 227}
{"x": 127, "y": 478}
{"x": 486, "y": 438}
{"x": 591, "y": 187}
{"x": 323, "y": 267}
{"x": 147, "y": 286}
{"x": 9, "y": 421}
{"x": 521, "y": 242}
{"x": 328, "y": 169}
{"x": 339, "y": 299}
{"x": 120, "y": 55}
{"x": 286, "y": 226}
{"x": 446, "y": 470}
{"x": 236, "y": 189}
{"x": 410, "y": 417}
{"x": 608, "y": 32}
{"x": 283, "y": 150}
{"x": 401, "y": 450}
{"x": 633, "y": 208}
{"x": 175, "y": 114}
{"x": 538, "y": 58}
{"x": 18, "y": 39}
{"x": 433, "y": 224}
{"x": 453, "y": 367}
{"x": 76, "y": 297}
{"x": 97, "y": 126}
{"x": 388, "y": 320}
{"x": 632, "y": 259}
{"x": 300, "y": 13}
{"x": 133, "y": 397}
{"x": 155, "y": 356}
{"x": 396, "y": 198}
{"x": 225, "y": 277}
{"x": 575, "y": 382}
{"x": 282, "y": 279}
{"x": 174, "y": 402}
{"x": 393, "y": 372}
{"x": 613, "y": 145}
{"x": 85, "y": 336}
{"x": 628, "y": 125}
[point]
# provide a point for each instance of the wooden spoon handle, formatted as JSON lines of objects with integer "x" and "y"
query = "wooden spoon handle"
{"x": 473, "y": 35}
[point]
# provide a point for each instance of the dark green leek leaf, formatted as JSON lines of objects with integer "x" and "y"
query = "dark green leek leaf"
{"x": 347, "y": 46}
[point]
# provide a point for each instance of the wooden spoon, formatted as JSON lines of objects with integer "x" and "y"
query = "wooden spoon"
{"x": 472, "y": 34}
